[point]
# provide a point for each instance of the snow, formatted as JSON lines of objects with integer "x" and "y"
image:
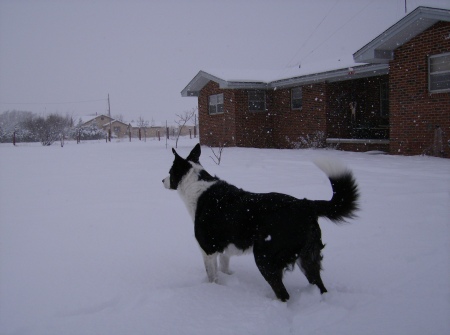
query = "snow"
{"x": 305, "y": 68}
{"x": 92, "y": 243}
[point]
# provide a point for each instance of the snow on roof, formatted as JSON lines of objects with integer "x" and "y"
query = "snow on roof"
{"x": 268, "y": 76}
{"x": 291, "y": 77}
{"x": 87, "y": 118}
{"x": 333, "y": 69}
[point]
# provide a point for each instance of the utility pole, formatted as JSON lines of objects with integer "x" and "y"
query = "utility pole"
{"x": 110, "y": 120}
{"x": 406, "y": 10}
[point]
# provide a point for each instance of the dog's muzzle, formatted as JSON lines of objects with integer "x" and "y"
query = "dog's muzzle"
{"x": 166, "y": 182}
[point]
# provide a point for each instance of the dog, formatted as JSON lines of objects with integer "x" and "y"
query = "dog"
{"x": 280, "y": 229}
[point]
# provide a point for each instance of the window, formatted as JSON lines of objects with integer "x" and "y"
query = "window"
{"x": 384, "y": 100}
{"x": 256, "y": 101}
{"x": 296, "y": 98}
{"x": 439, "y": 73}
{"x": 215, "y": 104}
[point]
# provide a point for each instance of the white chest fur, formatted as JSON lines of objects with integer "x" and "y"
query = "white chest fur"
{"x": 190, "y": 189}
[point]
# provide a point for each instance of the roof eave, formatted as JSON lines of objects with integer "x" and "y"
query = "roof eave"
{"x": 257, "y": 85}
{"x": 381, "y": 49}
{"x": 194, "y": 87}
{"x": 202, "y": 78}
{"x": 360, "y": 71}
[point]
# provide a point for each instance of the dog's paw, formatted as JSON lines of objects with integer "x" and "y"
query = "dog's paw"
{"x": 227, "y": 271}
{"x": 213, "y": 280}
{"x": 207, "y": 279}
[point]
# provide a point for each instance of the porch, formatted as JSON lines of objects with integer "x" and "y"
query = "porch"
{"x": 359, "y": 145}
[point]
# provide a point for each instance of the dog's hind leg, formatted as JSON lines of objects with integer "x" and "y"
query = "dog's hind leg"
{"x": 271, "y": 272}
{"x": 310, "y": 260}
{"x": 310, "y": 264}
{"x": 224, "y": 263}
{"x": 210, "y": 266}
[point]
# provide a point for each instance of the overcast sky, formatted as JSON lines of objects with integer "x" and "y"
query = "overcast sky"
{"x": 67, "y": 56}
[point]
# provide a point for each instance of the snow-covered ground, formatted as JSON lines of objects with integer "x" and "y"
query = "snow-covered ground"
{"x": 91, "y": 243}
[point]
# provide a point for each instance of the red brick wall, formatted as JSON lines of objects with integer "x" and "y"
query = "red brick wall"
{"x": 236, "y": 126}
{"x": 414, "y": 111}
{"x": 277, "y": 127}
{"x": 219, "y": 129}
{"x": 282, "y": 127}
{"x": 253, "y": 129}
{"x": 290, "y": 125}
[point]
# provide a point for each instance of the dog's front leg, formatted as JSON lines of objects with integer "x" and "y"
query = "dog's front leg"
{"x": 210, "y": 266}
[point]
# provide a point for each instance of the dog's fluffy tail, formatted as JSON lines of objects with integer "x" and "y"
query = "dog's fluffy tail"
{"x": 344, "y": 202}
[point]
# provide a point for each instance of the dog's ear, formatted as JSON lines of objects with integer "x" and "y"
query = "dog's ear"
{"x": 194, "y": 156}
{"x": 175, "y": 153}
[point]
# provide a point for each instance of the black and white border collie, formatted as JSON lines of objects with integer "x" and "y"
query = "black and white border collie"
{"x": 280, "y": 229}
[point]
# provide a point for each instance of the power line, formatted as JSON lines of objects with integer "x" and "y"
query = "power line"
{"x": 337, "y": 30}
{"x": 325, "y": 40}
{"x": 312, "y": 33}
{"x": 51, "y": 103}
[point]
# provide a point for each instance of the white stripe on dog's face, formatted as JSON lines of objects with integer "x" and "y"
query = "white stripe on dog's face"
{"x": 184, "y": 176}
{"x": 179, "y": 169}
{"x": 166, "y": 182}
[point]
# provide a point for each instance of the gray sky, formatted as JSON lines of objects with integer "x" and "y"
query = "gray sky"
{"x": 66, "y": 56}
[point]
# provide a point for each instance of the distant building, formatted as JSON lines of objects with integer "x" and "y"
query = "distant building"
{"x": 118, "y": 128}
{"x": 143, "y": 130}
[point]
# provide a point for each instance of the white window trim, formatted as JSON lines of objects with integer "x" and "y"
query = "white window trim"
{"x": 430, "y": 74}
{"x": 216, "y": 104}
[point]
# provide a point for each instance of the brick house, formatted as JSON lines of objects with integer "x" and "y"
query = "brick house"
{"x": 394, "y": 95}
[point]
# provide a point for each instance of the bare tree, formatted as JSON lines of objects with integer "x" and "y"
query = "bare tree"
{"x": 218, "y": 155}
{"x": 182, "y": 120}
{"x": 48, "y": 129}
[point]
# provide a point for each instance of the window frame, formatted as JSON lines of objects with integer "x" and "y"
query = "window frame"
{"x": 217, "y": 104}
{"x": 300, "y": 88}
{"x": 435, "y": 73}
{"x": 253, "y": 102}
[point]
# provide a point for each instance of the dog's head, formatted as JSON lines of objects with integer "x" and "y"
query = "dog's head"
{"x": 181, "y": 167}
